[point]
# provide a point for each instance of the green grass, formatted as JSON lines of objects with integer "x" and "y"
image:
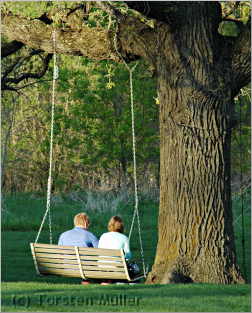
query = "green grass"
{"x": 23, "y": 290}
{"x": 67, "y": 297}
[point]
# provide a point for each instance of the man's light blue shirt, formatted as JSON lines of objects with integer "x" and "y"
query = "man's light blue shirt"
{"x": 79, "y": 237}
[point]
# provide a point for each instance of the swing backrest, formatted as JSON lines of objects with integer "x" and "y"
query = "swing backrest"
{"x": 79, "y": 262}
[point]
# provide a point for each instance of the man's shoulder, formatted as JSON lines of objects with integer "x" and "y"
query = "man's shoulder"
{"x": 68, "y": 232}
{"x": 89, "y": 233}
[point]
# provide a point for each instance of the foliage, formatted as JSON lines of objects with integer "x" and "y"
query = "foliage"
{"x": 234, "y": 13}
{"x": 241, "y": 134}
{"x": 34, "y": 9}
{"x": 236, "y": 9}
{"x": 93, "y": 129}
{"x": 92, "y": 125}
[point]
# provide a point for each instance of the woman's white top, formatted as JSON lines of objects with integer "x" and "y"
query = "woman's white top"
{"x": 115, "y": 240}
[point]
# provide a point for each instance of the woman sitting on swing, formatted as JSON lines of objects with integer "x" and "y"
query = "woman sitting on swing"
{"x": 115, "y": 239}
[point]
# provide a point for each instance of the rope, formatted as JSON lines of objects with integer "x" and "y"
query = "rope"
{"x": 49, "y": 183}
{"x": 133, "y": 149}
{"x": 136, "y": 210}
{"x": 242, "y": 193}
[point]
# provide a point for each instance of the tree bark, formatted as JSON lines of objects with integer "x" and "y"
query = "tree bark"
{"x": 241, "y": 59}
{"x": 94, "y": 43}
{"x": 196, "y": 240}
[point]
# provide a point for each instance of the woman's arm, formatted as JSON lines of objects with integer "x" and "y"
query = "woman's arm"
{"x": 126, "y": 249}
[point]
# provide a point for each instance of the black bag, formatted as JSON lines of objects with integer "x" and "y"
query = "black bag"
{"x": 133, "y": 269}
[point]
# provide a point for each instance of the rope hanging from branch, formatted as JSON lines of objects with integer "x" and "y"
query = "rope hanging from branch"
{"x": 242, "y": 191}
{"x": 136, "y": 209}
{"x": 49, "y": 183}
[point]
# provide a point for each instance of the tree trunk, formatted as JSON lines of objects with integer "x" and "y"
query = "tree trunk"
{"x": 196, "y": 240}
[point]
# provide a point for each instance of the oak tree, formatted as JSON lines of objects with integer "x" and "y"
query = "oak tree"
{"x": 199, "y": 72}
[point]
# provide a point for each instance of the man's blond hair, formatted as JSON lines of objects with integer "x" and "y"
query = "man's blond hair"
{"x": 81, "y": 219}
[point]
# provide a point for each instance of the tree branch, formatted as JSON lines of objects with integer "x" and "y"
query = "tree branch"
{"x": 11, "y": 47}
{"x": 163, "y": 11}
{"x": 31, "y": 84}
{"x": 7, "y": 81}
{"x": 39, "y": 74}
{"x": 91, "y": 42}
{"x": 18, "y": 62}
{"x": 108, "y": 8}
{"x": 75, "y": 37}
{"x": 241, "y": 59}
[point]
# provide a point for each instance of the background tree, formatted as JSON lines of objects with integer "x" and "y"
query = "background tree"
{"x": 92, "y": 129}
{"x": 199, "y": 72}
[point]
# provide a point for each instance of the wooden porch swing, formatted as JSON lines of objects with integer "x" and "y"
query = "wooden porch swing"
{"x": 85, "y": 263}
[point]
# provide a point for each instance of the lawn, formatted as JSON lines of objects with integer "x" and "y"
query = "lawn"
{"x": 22, "y": 290}
{"x": 71, "y": 297}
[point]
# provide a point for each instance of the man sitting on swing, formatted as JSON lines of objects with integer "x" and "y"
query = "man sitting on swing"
{"x": 79, "y": 236}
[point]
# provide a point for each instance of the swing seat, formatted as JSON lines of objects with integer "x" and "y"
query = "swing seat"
{"x": 85, "y": 263}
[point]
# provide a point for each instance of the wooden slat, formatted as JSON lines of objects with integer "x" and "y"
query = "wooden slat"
{"x": 88, "y": 274}
{"x": 99, "y": 251}
{"x": 100, "y": 258}
{"x": 49, "y": 246}
{"x": 98, "y": 263}
{"x": 84, "y": 251}
{"x": 96, "y": 267}
{"x": 108, "y": 275}
{"x": 105, "y": 269}
{"x": 53, "y": 260}
{"x": 59, "y": 251}
{"x": 61, "y": 272}
{"x": 56, "y": 256}
{"x": 73, "y": 257}
{"x": 58, "y": 265}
